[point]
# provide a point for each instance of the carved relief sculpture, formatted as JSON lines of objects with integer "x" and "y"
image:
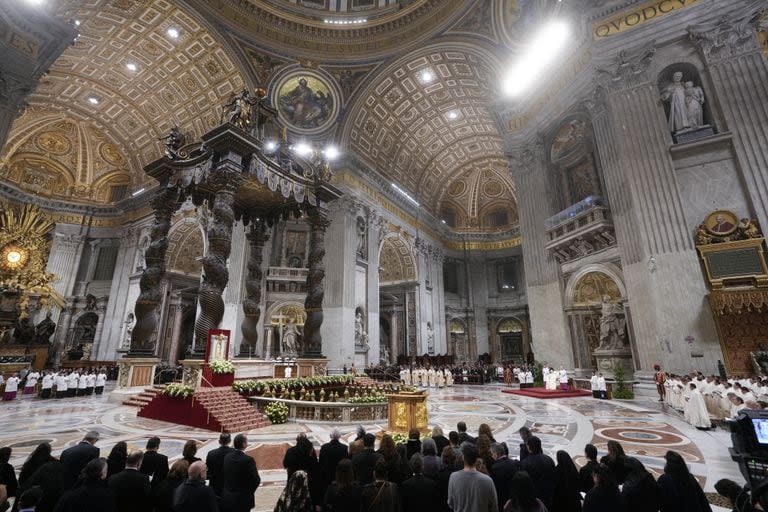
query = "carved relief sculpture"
{"x": 257, "y": 236}
{"x": 613, "y": 334}
{"x": 172, "y": 143}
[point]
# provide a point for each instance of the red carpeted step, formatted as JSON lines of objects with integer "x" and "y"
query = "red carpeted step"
{"x": 543, "y": 393}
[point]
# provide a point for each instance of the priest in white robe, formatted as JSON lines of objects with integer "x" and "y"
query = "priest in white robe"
{"x": 695, "y": 409}
{"x": 563, "y": 378}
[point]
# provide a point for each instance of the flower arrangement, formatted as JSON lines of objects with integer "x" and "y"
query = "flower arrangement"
{"x": 277, "y": 412}
{"x": 176, "y": 390}
{"x": 251, "y": 387}
{"x": 399, "y": 438}
{"x": 221, "y": 366}
{"x": 372, "y": 399}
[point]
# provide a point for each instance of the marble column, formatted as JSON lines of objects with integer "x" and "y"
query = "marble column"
{"x": 549, "y": 337}
{"x": 171, "y": 355}
{"x": 257, "y": 236}
{"x": 739, "y": 73}
{"x": 215, "y": 271}
{"x": 312, "y": 345}
{"x": 147, "y": 314}
{"x": 665, "y": 288}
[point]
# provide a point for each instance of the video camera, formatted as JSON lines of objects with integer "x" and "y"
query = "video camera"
{"x": 749, "y": 434}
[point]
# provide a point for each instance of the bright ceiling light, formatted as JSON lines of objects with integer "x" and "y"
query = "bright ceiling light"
{"x": 138, "y": 192}
{"x": 270, "y": 146}
{"x": 405, "y": 194}
{"x": 77, "y": 23}
{"x": 302, "y": 149}
{"x": 173, "y": 33}
{"x": 331, "y": 152}
{"x": 35, "y": 2}
{"x": 453, "y": 115}
{"x": 427, "y": 76}
{"x": 93, "y": 100}
{"x": 541, "y": 51}
{"x": 131, "y": 66}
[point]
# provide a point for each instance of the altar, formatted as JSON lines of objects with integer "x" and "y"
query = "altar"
{"x": 408, "y": 410}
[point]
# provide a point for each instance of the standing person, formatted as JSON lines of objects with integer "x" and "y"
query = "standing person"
{"x": 380, "y": 495}
{"x": 331, "y": 453}
{"x": 525, "y": 435}
{"x": 116, "y": 458}
{"x": 344, "y": 494}
{"x": 522, "y": 495}
{"x": 100, "y": 382}
{"x": 696, "y": 410}
{"x": 615, "y": 461}
{"x": 567, "y": 497}
{"x": 391, "y": 458}
{"x": 164, "y": 492}
{"x": 154, "y": 464}
{"x": 193, "y": 495}
{"x": 7, "y": 473}
{"x": 432, "y": 463}
{"x": 31, "y": 382}
{"x": 470, "y": 490}
{"x": 131, "y": 486}
{"x": 50, "y": 478}
{"x": 82, "y": 384}
{"x": 47, "y": 385}
{"x": 76, "y": 457}
{"x": 678, "y": 489}
{"x": 414, "y": 443}
{"x": 440, "y": 440}
{"x": 604, "y": 495}
{"x": 92, "y": 494}
{"x": 29, "y": 500}
{"x": 365, "y": 461}
{"x": 541, "y": 469}
{"x": 189, "y": 451}
{"x": 90, "y": 383}
{"x": 214, "y": 462}
{"x": 72, "y": 380}
{"x": 61, "y": 384}
{"x": 418, "y": 493}
{"x": 593, "y": 385}
{"x": 39, "y": 456}
{"x": 602, "y": 389}
{"x": 241, "y": 478}
{"x": 295, "y": 496}
{"x": 660, "y": 378}
{"x": 639, "y": 489}
{"x": 444, "y": 477}
{"x": 502, "y": 472}
{"x": 11, "y": 387}
{"x": 586, "y": 471}
{"x": 461, "y": 427}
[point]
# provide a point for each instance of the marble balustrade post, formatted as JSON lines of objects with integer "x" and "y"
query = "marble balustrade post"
{"x": 313, "y": 304}
{"x": 257, "y": 237}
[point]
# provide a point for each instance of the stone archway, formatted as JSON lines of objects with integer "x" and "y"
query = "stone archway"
{"x": 398, "y": 277}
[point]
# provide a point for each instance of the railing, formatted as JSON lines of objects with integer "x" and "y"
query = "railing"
{"x": 287, "y": 273}
{"x": 574, "y": 210}
{"x": 336, "y": 412}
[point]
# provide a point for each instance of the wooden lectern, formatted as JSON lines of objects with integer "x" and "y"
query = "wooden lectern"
{"x": 407, "y": 410}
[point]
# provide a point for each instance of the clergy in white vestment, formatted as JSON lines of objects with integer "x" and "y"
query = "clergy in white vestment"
{"x": 448, "y": 377}
{"x": 593, "y": 386}
{"x": 11, "y": 387}
{"x": 696, "y": 410}
{"x": 29, "y": 386}
{"x": 47, "y": 385}
{"x": 440, "y": 378}
{"x": 72, "y": 379}
{"x": 563, "y": 378}
{"x": 90, "y": 383}
{"x": 528, "y": 379}
{"x": 101, "y": 381}
{"x": 82, "y": 383}
{"x": 431, "y": 378}
{"x": 62, "y": 388}
{"x": 602, "y": 389}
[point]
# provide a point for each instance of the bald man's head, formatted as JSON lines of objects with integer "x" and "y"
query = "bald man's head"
{"x": 198, "y": 471}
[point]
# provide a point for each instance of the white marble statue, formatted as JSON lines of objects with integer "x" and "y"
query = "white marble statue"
{"x": 694, "y": 102}
{"x": 674, "y": 94}
{"x": 290, "y": 341}
{"x": 362, "y": 232}
{"x": 430, "y": 339}
{"x": 612, "y": 333}
{"x": 361, "y": 337}
{"x": 130, "y": 321}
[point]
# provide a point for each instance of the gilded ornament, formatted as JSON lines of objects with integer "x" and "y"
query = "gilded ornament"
{"x": 54, "y": 143}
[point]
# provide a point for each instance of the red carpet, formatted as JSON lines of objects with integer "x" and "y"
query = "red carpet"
{"x": 545, "y": 393}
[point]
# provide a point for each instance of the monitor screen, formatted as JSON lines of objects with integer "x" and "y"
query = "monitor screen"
{"x": 761, "y": 430}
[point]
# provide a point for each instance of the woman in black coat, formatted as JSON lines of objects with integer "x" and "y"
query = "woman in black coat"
{"x": 615, "y": 461}
{"x": 344, "y": 493}
{"x": 116, "y": 459}
{"x": 91, "y": 493}
{"x": 639, "y": 490}
{"x": 7, "y": 473}
{"x": 39, "y": 456}
{"x": 605, "y": 495}
{"x": 567, "y": 497}
{"x": 162, "y": 494}
{"x": 678, "y": 489}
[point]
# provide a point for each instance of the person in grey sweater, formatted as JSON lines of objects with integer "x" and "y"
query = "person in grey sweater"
{"x": 469, "y": 490}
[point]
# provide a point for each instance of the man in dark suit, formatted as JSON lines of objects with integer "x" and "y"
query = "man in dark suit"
{"x": 131, "y": 486}
{"x": 215, "y": 462}
{"x": 76, "y": 457}
{"x": 331, "y": 453}
{"x": 541, "y": 469}
{"x": 525, "y": 435}
{"x": 364, "y": 462}
{"x": 154, "y": 464}
{"x": 418, "y": 493}
{"x": 241, "y": 478}
{"x": 502, "y": 471}
{"x": 193, "y": 495}
{"x": 463, "y": 436}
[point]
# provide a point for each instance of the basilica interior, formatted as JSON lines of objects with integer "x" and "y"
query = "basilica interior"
{"x": 371, "y": 183}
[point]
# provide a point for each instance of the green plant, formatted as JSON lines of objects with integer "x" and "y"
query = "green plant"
{"x": 373, "y": 399}
{"x": 251, "y": 387}
{"x": 538, "y": 375}
{"x": 399, "y": 438}
{"x": 621, "y": 391}
{"x": 221, "y": 366}
{"x": 277, "y": 412}
{"x": 178, "y": 390}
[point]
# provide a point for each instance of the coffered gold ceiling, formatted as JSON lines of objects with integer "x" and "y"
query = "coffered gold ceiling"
{"x": 181, "y": 81}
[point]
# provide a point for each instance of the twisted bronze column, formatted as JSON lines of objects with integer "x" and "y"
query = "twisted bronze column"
{"x": 144, "y": 336}
{"x": 257, "y": 236}
{"x": 312, "y": 344}
{"x": 215, "y": 272}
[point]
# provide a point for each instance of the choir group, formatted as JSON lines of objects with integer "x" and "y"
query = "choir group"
{"x": 60, "y": 384}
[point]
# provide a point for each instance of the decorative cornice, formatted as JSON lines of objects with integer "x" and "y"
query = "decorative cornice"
{"x": 629, "y": 69}
{"x": 728, "y": 37}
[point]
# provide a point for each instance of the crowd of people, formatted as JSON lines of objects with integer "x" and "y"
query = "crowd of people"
{"x": 462, "y": 473}
{"x": 704, "y": 399}
{"x": 80, "y": 480}
{"x": 60, "y": 384}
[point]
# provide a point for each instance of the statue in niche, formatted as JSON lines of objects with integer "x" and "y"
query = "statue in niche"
{"x": 290, "y": 341}
{"x": 362, "y": 232}
{"x": 130, "y": 321}
{"x": 384, "y": 353}
{"x": 141, "y": 261}
{"x": 23, "y": 332}
{"x": 430, "y": 339}
{"x": 45, "y": 329}
{"x": 361, "y": 337}
{"x": 612, "y": 326}
{"x": 694, "y": 102}
{"x": 172, "y": 143}
{"x": 674, "y": 94}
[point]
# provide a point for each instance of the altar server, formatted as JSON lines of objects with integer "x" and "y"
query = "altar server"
{"x": 448, "y": 377}
{"x": 593, "y": 386}
{"x": 601, "y": 386}
{"x": 695, "y": 410}
{"x": 431, "y": 378}
{"x": 11, "y": 387}
{"x": 90, "y": 383}
{"x": 101, "y": 380}
{"x": 563, "y": 377}
{"x": 32, "y": 378}
{"x": 440, "y": 378}
{"x": 47, "y": 385}
{"x": 62, "y": 385}
{"x": 528, "y": 379}
{"x": 82, "y": 384}
{"x": 72, "y": 379}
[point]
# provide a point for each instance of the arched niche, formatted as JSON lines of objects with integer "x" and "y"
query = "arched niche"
{"x": 397, "y": 263}
{"x": 510, "y": 337}
{"x": 186, "y": 244}
{"x": 458, "y": 343}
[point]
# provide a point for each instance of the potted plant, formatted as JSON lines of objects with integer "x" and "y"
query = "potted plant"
{"x": 277, "y": 412}
{"x": 220, "y": 373}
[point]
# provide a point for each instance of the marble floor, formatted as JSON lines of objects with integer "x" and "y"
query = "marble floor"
{"x": 646, "y": 429}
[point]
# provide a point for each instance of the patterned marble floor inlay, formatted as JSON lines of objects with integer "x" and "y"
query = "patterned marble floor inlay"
{"x": 643, "y": 427}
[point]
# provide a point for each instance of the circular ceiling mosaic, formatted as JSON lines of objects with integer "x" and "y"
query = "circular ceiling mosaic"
{"x": 306, "y": 101}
